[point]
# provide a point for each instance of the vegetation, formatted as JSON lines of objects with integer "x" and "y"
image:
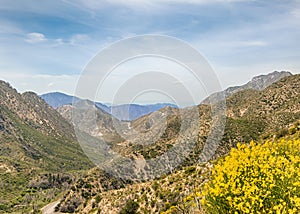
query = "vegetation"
{"x": 40, "y": 160}
{"x": 39, "y": 156}
{"x": 259, "y": 178}
{"x": 251, "y": 115}
{"x": 131, "y": 207}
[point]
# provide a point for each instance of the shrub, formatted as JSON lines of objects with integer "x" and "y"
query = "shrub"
{"x": 259, "y": 178}
{"x": 130, "y": 207}
{"x": 98, "y": 198}
{"x": 155, "y": 185}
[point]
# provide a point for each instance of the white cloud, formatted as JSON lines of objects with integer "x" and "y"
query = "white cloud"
{"x": 240, "y": 44}
{"x": 79, "y": 39}
{"x": 35, "y": 37}
{"x": 82, "y": 41}
{"x": 247, "y": 35}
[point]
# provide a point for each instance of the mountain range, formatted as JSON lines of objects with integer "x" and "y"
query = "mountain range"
{"x": 129, "y": 112}
{"x": 41, "y": 160}
{"x": 125, "y": 112}
{"x": 250, "y": 115}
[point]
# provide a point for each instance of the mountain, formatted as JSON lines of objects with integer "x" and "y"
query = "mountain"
{"x": 257, "y": 83}
{"x": 36, "y": 143}
{"x": 129, "y": 112}
{"x": 253, "y": 115}
{"x": 174, "y": 192}
{"x": 154, "y": 196}
{"x": 41, "y": 160}
{"x": 104, "y": 127}
{"x": 57, "y": 99}
{"x": 250, "y": 115}
{"x": 125, "y": 112}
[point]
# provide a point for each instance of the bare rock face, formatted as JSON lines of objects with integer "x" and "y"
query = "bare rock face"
{"x": 263, "y": 81}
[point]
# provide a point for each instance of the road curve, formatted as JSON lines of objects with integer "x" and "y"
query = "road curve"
{"x": 50, "y": 208}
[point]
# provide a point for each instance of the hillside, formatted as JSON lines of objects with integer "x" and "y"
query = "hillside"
{"x": 251, "y": 115}
{"x": 34, "y": 140}
{"x": 254, "y": 115}
{"x": 155, "y": 196}
{"x": 40, "y": 157}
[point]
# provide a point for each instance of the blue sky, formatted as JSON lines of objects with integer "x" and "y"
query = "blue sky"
{"x": 44, "y": 45}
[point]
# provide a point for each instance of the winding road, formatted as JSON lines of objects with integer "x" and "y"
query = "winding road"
{"x": 50, "y": 208}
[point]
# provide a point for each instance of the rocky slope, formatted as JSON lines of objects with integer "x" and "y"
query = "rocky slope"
{"x": 39, "y": 152}
{"x": 34, "y": 140}
{"x": 175, "y": 190}
{"x": 257, "y": 83}
{"x": 250, "y": 115}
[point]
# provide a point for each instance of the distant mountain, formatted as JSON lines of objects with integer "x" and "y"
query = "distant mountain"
{"x": 133, "y": 111}
{"x": 257, "y": 83}
{"x": 34, "y": 139}
{"x": 104, "y": 128}
{"x": 129, "y": 112}
{"x": 57, "y": 99}
{"x": 122, "y": 112}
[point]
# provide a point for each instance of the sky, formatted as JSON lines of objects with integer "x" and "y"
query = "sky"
{"x": 46, "y": 45}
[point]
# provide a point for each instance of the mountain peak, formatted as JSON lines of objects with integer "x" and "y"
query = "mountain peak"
{"x": 259, "y": 83}
{"x": 268, "y": 79}
{"x": 273, "y": 74}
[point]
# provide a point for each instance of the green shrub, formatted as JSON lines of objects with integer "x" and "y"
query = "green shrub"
{"x": 130, "y": 207}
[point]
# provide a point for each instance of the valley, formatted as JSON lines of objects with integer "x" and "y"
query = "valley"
{"x": 42, "y": 160}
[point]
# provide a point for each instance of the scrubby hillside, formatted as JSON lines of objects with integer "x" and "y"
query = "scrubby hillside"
{"x": 36, "y": 143}
{"x": 251, "y": 115}
{"x": 179, "y": 192}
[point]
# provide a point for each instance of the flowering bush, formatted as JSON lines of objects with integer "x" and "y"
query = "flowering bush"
{"x": 259, "y": 178}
